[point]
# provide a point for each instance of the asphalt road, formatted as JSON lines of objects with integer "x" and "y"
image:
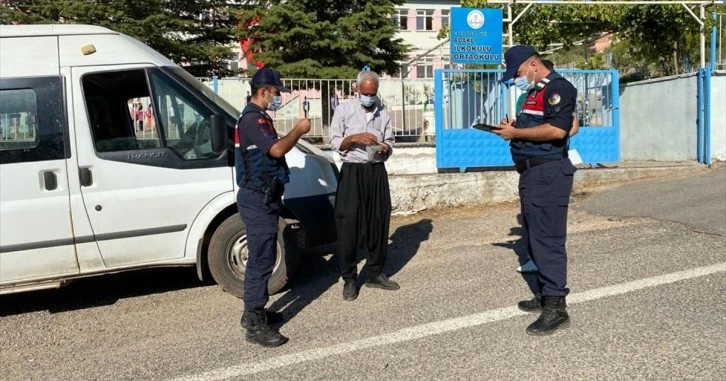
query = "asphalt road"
{"x": 647, "y": 265}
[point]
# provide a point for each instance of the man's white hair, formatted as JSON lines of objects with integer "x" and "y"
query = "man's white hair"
{"x": 368, "y": 76}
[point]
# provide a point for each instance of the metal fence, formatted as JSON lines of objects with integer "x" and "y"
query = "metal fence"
{"x": 471, "y": 96}
{"x": 408, "y": 101}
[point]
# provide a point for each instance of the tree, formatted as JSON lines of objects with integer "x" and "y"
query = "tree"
{"x": 328, "y": 39}
{"x": 324, "y": 38}
{"x": 195, "y": 34}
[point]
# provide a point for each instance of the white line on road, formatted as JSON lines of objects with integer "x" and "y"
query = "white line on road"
{"x": 450, "y": 325}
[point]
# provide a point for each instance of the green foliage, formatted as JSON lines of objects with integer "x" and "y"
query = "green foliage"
{"x": 196, "y": 34}
{"x": 325, "y": 38}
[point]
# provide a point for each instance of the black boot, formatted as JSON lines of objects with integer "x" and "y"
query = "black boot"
{"x": 271, "y": 318}
{"x": 533, "y": 305}
{"x": 553, "y": 317}
{"x": 259, "y": 332}
{"x": 350, "y": 291}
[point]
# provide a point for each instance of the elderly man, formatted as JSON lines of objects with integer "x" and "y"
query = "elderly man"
{"x": 361, "y": 133}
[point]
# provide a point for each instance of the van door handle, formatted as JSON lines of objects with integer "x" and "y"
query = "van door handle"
{"x": 50, "y": 180}
{"x": 85, "y": 176}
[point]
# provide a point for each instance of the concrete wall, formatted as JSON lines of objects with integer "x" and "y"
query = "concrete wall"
{"x": 404, "y": 161}
{"x": 718, "y": 116}
{"x": 658, "y": 119}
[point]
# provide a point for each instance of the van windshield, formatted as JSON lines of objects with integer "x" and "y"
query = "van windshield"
{"x": 204, "y": 89}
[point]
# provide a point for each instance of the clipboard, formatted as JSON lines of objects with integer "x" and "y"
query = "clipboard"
{"x": 484, "y": 127}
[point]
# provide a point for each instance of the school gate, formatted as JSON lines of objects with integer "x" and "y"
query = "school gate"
{"x": 464, "y": 97}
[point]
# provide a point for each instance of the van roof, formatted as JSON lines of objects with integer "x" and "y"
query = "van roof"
{"x": 51, "y": 30}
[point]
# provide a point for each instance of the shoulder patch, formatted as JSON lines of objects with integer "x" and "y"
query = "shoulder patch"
{"x": 554, "y": 99}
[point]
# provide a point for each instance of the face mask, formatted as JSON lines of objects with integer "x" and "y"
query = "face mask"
{"x": 523, "y": 83}
{"x": 275, "y": 104}
{"x": 367, "y": 101}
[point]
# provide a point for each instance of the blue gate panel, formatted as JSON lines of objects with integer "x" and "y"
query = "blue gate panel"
{"x": 595, "y": 144}
{"x": 469, "y": 148}
{"x": 464, "y": 97}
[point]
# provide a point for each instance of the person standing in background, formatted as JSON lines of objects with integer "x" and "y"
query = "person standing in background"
{"x": 306, "y": 107}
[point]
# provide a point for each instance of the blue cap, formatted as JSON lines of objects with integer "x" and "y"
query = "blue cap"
{"x": 270, "y": 77}
{"x": 515, "y": 57}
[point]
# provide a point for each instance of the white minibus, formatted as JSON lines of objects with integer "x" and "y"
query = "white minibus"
{"x": 114, "y": 158}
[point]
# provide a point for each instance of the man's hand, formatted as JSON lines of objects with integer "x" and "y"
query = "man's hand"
{"x": 364, "y": 138}
{"x": 303, "y": 125}
{"x": 385, "y": 149}
{"x": 506, "y": 129}
{"x": 285, "y": 144}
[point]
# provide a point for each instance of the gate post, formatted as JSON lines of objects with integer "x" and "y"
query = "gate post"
{"x": 439, "y": 110}
{"x": 615, "y": 96}
{"x": 707, "y": 115}
{"x": 699, "y": 118}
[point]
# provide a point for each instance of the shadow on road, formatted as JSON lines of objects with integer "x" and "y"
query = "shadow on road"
{"x": 317, "y": 274}
{"x": 101, "y": 291}
{"x": 517, "y": 245}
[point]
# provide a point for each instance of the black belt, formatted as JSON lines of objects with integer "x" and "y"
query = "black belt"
{"x": 523, "y": 165}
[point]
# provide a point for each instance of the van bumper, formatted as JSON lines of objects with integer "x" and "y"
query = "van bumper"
{"x": 316, "y": 215}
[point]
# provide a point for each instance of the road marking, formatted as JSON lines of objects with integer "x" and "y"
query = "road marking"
{"x": 439, "y": 327}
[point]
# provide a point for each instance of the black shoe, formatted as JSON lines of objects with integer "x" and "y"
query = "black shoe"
{"x": 535, "y": 304}
{"x": 270, "y": 317}
{"x": 350, "y": 291}
{"x": 259, "y": 332}
{"x": 382, "y": 281}
{"x": 553, "y": 317}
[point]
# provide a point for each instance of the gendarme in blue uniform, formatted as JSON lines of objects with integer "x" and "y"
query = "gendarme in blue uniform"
{"x": 545, "y": 183}
{"x": 254, "y": 137}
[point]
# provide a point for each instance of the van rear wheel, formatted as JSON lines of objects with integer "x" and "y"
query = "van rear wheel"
{"x": 227, "y": 256}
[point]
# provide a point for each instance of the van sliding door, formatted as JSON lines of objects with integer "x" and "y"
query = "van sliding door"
{"x": 36, "y": 234}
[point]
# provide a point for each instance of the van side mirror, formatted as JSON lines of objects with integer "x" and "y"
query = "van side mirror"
{"x": 219, "y": 134}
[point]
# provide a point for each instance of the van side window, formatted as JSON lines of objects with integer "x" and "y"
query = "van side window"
{"x": 32, "y": 120}
{"x": 185, "y": 120}
{"x": 117, "y": 104}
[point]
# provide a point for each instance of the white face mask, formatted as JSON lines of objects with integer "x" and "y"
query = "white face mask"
{"x": 367, "y": 101}
{"x": 523, "y": 82}
{"x": 275, "y": 103}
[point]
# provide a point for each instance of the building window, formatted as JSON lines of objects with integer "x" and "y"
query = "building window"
{"x": 401, "y": 19}
{"x": 425, "y": 68}
{"x": 425, "y": 19}
{"x": 444, "y": 17}
{"x": 446, "y": 62}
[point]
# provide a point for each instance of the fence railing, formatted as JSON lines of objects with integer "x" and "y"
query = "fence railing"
{"x": 409, "y": 102}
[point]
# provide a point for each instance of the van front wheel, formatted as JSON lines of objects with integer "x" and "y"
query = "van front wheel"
{"x": 227, "y": 256}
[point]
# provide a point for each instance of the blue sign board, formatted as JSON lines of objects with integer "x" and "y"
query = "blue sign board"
{"x": 476, "y": 35}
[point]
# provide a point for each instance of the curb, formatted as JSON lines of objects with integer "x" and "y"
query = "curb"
{"x": 413, "y": 193}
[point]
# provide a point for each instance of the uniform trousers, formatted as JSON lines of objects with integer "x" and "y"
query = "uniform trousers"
{"x": 262, "y": 226}
{"x": 544, "y": 192}
{"x": 362, "y": 216}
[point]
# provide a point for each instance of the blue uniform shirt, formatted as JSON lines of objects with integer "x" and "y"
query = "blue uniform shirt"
{"x": 254, "y": 137}
{"x": 552, "y": 101}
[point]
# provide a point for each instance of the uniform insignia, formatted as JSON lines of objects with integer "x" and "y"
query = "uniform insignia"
{"x": 261, "y": 121}
{"x": 554, "y": 99}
